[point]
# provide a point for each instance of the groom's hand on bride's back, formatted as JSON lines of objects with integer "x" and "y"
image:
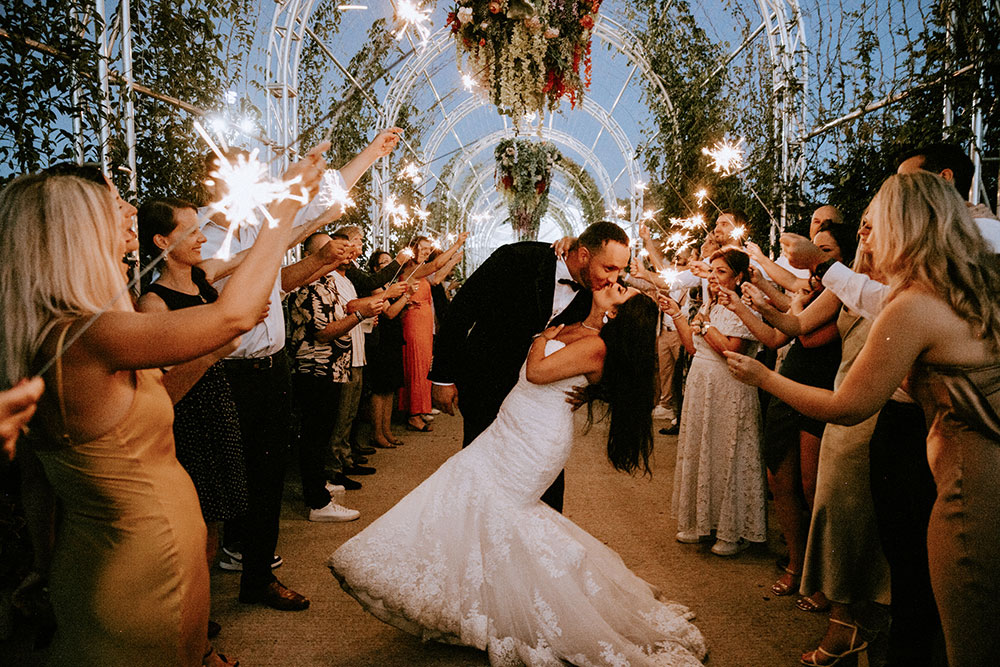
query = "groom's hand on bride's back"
{"x": 577, "y": 397}
{"x": 445, "y": 397}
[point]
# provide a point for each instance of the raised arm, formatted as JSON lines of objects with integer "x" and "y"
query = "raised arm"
{"x": 818, "y": 313}
{"x": 896, "y": 341}
{"x": 671, "y": 308}
{"x": 768, "y": 335}
{"x": 128, "y": 340}
{"x": 584, "y": 356}
{"x": 786, "y": 279}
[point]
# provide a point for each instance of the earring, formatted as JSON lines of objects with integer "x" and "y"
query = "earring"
{"x": 605, "y": 318}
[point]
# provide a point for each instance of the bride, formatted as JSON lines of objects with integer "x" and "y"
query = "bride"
{"x": 473, "y": 557}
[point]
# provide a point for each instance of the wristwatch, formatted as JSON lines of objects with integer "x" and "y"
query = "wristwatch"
{"x": 822, "y": 268}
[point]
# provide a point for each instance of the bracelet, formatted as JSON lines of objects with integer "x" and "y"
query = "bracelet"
{"x": 822, "y": 268}
{"x": 357, "y": 314}
{"x": 677, "y": 316}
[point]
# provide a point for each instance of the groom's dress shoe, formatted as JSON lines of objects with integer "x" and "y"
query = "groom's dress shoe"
{"x": 277, "y": 596}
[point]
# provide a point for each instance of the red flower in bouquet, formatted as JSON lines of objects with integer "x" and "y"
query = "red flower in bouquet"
{"x": 587, "y": 22}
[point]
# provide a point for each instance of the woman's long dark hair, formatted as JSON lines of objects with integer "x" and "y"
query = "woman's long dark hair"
{"x": 629, "y": 382}
{"x": 157, "y": 217}
{"x": 846, "y": 238}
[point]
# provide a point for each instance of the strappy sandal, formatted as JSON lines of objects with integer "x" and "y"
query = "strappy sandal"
{"x": 379, "y": 445}
{"x": 809, "y": 603}
{"x": 222, "y": 658}
{"x": 781, "y": 589}
{"x": 426, "y": 428}
{"x": 829, "y": 659}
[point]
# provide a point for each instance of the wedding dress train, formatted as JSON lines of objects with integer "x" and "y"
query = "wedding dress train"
{"x": 473, "y": 557}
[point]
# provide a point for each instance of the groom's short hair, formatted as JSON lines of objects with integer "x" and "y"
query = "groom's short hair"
{"x": 596, "y": 235}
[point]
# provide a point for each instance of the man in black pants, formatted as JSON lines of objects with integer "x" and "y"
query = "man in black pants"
{"x": 521, "y": 289}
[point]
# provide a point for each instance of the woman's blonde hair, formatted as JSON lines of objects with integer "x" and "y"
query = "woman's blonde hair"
{"x": 58, "y": 237}
{"x": 923, "y": 235}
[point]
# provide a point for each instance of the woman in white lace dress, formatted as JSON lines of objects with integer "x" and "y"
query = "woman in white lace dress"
{"x": 719, "y": 483}
{"x": 471, "y": 556}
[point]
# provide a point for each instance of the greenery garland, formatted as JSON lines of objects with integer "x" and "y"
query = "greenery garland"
{"x": 524, "y": 177}
{"x": 526, "y": 55}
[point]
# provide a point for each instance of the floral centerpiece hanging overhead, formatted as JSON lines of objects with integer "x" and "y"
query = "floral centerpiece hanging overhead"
{"x": 524, "y": 175}
{"x": 525, "y": 54}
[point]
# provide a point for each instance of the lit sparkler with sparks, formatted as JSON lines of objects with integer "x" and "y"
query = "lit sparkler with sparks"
{"x": 669, "y": 276}
{"x": 641, "y": 186}
{"x": 739, "y": 231}
{"x": 396, "y": 211}
{"x": 410, "y": 15}
{"x": 331, "y": 193}
{"x": 701, "y": 196}
{"x": 411, "y": 172}
{"x": 727, "y": 157}
{"x": 246, "y": 190}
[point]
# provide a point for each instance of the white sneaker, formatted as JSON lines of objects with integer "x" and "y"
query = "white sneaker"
{"x": 660, "y": 412}
{"x": 333, "y": 513}
{"x": 724, "y": 548}
{"x": 688, "y": 537}
{"x": 435, "y": 411}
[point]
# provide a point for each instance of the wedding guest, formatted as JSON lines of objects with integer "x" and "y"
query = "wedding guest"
{"x": 937, "y": 328}
{"x": 206, "y": 424}
{"x": 385, "y": 360}
{"x": 418, "y": 332}
{"x": 903, "y": 487}
{"x": 258, "y": 372}
{"x": 719, "y": 478}
{"x": 439, "y": 292}
{"x": 364, "y": 285}
{"x": 320, "y": 344}
{"x": 791, "y": 442}
{"x": 781, "y": 271}
{"x": 93, "y": 172}
{"x": 129, "y": 582}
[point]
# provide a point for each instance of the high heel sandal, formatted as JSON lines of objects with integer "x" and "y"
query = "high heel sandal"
{"x": 781, "y": 589}
{"x": 225, "y": 661}
{"x": 810, "y": 659}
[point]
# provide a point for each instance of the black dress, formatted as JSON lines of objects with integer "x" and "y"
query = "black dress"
{"x": 207, "y": 432}
{"x": 384, "y": 372}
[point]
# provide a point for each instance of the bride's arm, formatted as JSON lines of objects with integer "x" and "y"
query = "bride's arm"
{"x": 581, "y": 357}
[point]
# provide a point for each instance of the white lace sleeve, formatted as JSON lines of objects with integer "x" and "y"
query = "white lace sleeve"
{"x": 728, "y": 323}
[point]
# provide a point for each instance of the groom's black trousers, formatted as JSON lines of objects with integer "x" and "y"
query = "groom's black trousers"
{"x": 478, "y": 412}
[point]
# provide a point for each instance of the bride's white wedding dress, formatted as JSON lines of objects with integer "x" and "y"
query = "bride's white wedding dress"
{"x": 473, "y": 557}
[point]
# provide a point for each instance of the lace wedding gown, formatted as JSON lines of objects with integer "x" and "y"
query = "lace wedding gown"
{"x": 473, "y": 557}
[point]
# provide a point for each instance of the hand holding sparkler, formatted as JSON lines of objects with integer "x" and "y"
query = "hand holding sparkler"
{"x": 754, "y": 251}
{"x": 668, "y": 306}
{"x": 728, "y": 298}
{"x": 385, "y": 141}
{"x": 336, "y": 252}
{"x": 801, "y": 252}
{"x": 758, "y": 301}
{"x": 17, "y": 405}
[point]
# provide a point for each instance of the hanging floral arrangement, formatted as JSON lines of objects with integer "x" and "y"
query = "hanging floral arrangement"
{"x": 525, "y": 54}
{"x": 524, "y": 175}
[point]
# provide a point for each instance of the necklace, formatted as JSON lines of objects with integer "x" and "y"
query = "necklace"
{"x": 587, "y": 326}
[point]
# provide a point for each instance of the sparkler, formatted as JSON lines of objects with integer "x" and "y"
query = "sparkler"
{"x": 727, "y": 157}
{"x": 412, "y": 16}
{"x": 247, "y": 191}
{"x": 669, "y": 276}
{"x": 738, "y": 233}
{"x": 331, "y": 193}
{"x": 411, "y": 172}
{"x": 701, "y": 196}
{"x": 397, "y": 212}
{"x": 641, "y": 186}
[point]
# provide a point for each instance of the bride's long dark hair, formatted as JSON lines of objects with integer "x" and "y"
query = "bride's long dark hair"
{"x": 629, "y": 383}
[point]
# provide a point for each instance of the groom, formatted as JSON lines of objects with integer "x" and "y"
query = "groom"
{"x": 521, "y": 289}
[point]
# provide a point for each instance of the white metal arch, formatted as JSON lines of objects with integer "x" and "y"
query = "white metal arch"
{"x": 786, "y": 40}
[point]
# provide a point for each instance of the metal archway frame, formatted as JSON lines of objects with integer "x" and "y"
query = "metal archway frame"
{"x": 786, "y": 40}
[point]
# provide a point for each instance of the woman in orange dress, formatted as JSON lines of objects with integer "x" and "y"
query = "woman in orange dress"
{"x": 418, "y": 334}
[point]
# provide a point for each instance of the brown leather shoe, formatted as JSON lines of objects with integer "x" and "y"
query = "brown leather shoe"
{"x": 277, "y": 596}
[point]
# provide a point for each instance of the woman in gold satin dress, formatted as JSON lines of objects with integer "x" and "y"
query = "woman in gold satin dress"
{"x": 129, "y": 580}
{"x": 941, "y": 328}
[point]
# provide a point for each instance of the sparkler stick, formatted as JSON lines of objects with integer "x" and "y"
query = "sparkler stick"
{"x": 408, "y": 252}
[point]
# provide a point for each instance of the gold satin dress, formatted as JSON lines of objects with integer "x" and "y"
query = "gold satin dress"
{"x": 129, "y": 580}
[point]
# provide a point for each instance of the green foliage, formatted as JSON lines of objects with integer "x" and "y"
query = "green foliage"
{"x": 524, "y": 177}
{"x": 35, "y": 130}
{"x": 585, "y": 188}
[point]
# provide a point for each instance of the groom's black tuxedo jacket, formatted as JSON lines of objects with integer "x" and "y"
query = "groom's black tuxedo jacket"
{"x": 488, "y": 329}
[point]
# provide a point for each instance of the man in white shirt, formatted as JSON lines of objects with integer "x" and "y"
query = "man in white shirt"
{"x": 259, "y": 374}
